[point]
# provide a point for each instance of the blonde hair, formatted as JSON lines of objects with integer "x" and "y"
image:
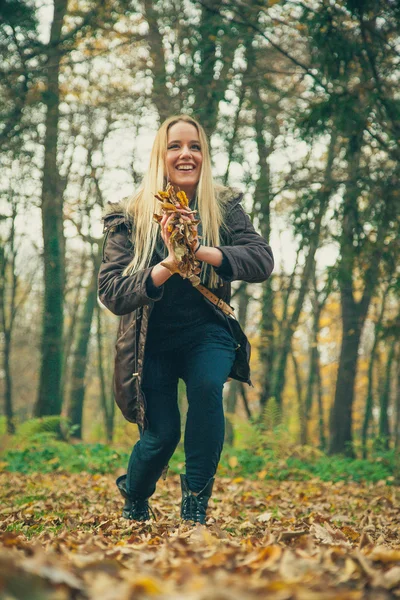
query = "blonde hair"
{"x": 142, "y": 205}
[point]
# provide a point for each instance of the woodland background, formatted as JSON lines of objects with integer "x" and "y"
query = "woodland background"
{"x": 301, "y": 103}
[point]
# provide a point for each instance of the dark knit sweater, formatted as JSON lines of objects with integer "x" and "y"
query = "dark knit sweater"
{"x": 181, "y": 307}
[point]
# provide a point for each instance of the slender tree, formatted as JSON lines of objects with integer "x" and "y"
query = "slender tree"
{"x": 316, "y": 203}
{"x": 354, "y": 312}
{"x": 234, "y": 388}
{"x": 318, "y": 301}
{"x": 80, "y": 356}
{"x": 8, "y": 311}
{"x": 384, "y": 425}
{"x": 49, "y": 399}
{"x": 107, "y": 404}
{"x": 371, "y": 367}
{"x": 397, "y": 403}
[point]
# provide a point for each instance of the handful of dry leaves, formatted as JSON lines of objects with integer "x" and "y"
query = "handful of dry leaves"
{"x": 183, "y": 234}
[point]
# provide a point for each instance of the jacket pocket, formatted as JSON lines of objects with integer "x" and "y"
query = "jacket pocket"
{"x": 126, "y": 384}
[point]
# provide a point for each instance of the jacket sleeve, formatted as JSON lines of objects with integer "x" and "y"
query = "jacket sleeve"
{"x": 249, "y": 255}
{"x": 122, "y": 294}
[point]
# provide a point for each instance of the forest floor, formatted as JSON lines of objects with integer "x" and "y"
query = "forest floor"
{"x": 62, "y": 537}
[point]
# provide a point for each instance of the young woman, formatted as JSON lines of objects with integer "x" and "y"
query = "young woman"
{"x": 168, "y": 329}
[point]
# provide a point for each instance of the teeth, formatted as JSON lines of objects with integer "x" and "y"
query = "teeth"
{"x": 184, "y": 168}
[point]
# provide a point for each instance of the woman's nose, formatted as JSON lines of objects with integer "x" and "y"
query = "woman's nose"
{"x": 185, "y": 151}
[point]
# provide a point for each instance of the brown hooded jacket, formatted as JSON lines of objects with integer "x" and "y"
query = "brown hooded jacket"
{"x": 249, "y": 256}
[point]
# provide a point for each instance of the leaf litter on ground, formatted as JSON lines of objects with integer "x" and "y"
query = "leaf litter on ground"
{"x": 62, "y": 538}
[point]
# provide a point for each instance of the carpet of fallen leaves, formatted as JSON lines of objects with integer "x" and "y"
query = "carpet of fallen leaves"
{"x": 62, "y": 537}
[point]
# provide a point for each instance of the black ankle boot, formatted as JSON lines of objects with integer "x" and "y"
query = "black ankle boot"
{"x": 194, "y": 507}
{"x": 135, "y": 509}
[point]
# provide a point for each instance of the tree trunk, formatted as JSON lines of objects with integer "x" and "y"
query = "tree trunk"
{"x": 234, "y": 389}
{"x": 107, "y": 407}
{"x": 209, "y": 90}
{"x": 233, "y": 138}
{"x": 314, "y": 379}
{"x": 230, "y": 410}
{"x": 384, "y": 428}
{"x": 299, "y": 390}
{"x": 324, "y": 197}
{"x": 7, "y": 315}
{"x": 78, "y": 371}
{"x": 370, "y": 391}
{"x": 397, "y": 421}
{"x": 8, "y": 403}
{"x": 313, "y": 358}
{"x": 341, "y": 415}
{"x": 160, "y": 96}
{"x": 49, "y": 401}
{"x": 353, "y": 313}
{"x": 262, "y": 207}
{"x": 71, "y": 328}
{"x": 341, "y": 439}
{"x": 321, "y": 424}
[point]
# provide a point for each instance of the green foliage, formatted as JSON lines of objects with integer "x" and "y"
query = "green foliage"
{"x": 268, "y": 455}
{"x": 271, "y": 418}
{"x": 359, "y": 470}
{"x": 267, "y": 450}
{"x": 326, "y": 468}
{"x": 35, "y": 450}
{"x": 19, "y": 14}
{"x": 53, "y": 425}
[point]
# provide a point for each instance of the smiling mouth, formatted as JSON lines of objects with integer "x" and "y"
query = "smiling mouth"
{"x": 185, "y": 168}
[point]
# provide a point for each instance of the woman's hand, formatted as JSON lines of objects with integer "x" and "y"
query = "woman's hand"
{"x": 188, "y": 215}
{"x": 166, "y": 235}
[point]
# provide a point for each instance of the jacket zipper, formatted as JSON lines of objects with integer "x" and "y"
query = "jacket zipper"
{"x": 150, "y": 308}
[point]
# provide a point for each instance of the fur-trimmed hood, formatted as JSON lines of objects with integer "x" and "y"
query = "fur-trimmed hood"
{"x": 115, "y": 208}
{"x": 226, "y": 194}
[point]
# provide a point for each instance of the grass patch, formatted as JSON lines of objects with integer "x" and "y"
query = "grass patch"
{"x": 33, "y": 530}
{"x": 261, "y": 455}
{"x": 56, "y": 456}
{"x": 45, "y": 454}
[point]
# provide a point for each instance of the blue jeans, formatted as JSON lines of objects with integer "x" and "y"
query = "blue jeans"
{"x": 203, "y": 358}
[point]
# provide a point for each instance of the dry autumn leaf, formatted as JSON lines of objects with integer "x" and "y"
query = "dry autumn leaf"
{"x": 63, "y": 539}
{"x": 183, "y": 234}
{"x": 233, "y": 462}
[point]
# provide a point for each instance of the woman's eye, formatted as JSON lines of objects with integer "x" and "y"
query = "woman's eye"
{"x": 177, "y": 146}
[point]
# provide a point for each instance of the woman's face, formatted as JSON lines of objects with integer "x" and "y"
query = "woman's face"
{"x": 184, "y": 157}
